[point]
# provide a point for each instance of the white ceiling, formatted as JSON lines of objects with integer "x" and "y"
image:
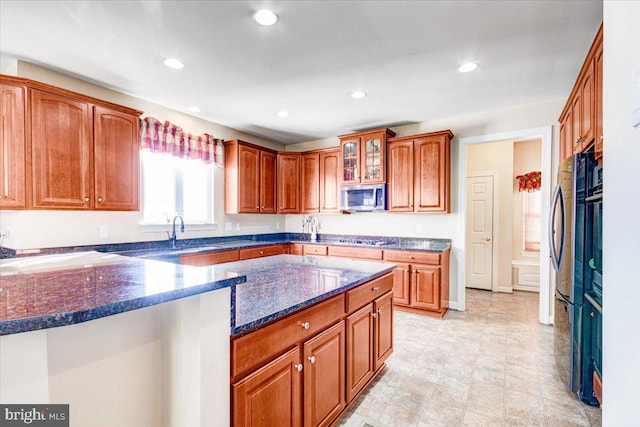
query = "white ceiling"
{"x": 403, "y": 54}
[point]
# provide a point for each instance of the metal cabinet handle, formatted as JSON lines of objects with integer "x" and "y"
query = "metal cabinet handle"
{"x": 298, "y": 367}
{"x": 86, "y": 199}
{"x": 376, "y": 288}
{"x": 378, "y": 311}
{"x": 88, "y": 279}
{"x": 100, "y": 199}
{"x": 374, "y": 315}
{"x": 261, "y": 252}
{"x": 601, "y": 137}
{"x": 579, "y": 139}
{"x": 411, "y": 257}
{"x": 312, "y": 359}
{"x": 305, "y": 325}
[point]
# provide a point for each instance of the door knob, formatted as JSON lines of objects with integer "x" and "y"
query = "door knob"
{"x": 486, "y": 239}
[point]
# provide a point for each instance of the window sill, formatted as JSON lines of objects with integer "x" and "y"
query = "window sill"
{"x": 156, "y": 228}
{"x": 528, "y": 254}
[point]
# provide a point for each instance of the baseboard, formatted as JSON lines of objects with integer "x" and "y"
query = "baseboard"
{"x": 526, "y": 288}
{"x": 453, "y": 305}
{"x": 505, "y": 289}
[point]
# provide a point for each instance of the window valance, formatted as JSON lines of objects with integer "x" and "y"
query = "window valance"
{"x": 531, "y": 181}
{"x": 168, "y": 138}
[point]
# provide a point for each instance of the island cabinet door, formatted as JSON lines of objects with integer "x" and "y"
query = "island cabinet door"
{"x": 271, "y": 396}
{"x": 383, "y": 329}
{"x": 401, "y": 279}
{"x": 425, "y": 288}
{"x": 359, "y": 350}
{"x": 324, "y": 373}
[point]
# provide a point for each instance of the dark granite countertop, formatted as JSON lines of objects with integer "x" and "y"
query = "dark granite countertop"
{"x": 281, "y": 284}
{"x": 57, "y": 290}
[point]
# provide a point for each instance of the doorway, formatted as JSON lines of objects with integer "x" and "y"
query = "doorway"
{"x": 545, "y": 134}
{"x": 480, "y": 235}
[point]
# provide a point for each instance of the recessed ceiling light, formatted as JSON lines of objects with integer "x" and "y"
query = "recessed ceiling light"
{"x": 265, "y": 17}
{"x": 283, "y": 114}
{"x": 193, "y": 109}
{"x": 358, "y": 94}
{"x": 174, "y": 63}
{"x": 469, "y": 66}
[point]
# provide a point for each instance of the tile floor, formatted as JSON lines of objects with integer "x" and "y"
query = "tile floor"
{"x": 489, "y": 366}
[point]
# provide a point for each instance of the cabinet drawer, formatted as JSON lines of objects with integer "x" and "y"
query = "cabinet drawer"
{"x": 262, "y": 251}
{"x": 361, "y": 253}
{"x": 314, "y": 250}
{"x": 366, "y": 293}
{"x": 413, "y": 257}
{"x": 255, "y": 348}
{"x": 209, "y": 258}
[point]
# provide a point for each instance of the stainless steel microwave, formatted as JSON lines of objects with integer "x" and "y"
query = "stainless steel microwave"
{"x": 363, "y": 198}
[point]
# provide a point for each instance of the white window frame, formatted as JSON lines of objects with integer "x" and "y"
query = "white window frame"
{"x": 154, "y": 227}
{"x": 524, "y": 251}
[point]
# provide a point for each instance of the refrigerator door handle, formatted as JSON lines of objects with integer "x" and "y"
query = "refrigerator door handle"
{"x": 555, "y": 258}
{"x": 563, "y": 233}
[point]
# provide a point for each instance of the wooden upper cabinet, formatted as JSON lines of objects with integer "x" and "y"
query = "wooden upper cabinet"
{"x": 62, "y": 151}
{"x": 288, "y": 183}
{"x": 581, "y": 118}
{"x": 116, "y": 160}
{"x": 310, "y": 183}
{"x": 12, "y": 147}
{"x": 598, "y": 133}
{"x": 268, "y": 184}
{"x": 420, "y": 173}
{"x": 329, "y": 190}
{"x": 249, "y": 178}
{"x": 400, "y": 185}
{"x": 362, "y": 157}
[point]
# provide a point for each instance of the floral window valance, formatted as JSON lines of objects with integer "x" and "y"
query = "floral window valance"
{"x": 168, "y": 138}
{"x": 531, "y": 181}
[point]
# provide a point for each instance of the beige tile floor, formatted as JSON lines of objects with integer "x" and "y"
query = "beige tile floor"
{"x": 489, "y": 366}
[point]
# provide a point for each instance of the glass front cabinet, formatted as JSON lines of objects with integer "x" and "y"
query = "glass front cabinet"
{"x": 363, "y": 157}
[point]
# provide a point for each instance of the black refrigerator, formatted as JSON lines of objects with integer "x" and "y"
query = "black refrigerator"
{"x": 575, "y": 239}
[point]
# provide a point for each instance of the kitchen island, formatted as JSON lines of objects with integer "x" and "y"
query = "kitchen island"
{"x": 135, "y": 342}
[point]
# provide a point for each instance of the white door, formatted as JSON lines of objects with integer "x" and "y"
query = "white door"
{"x": 479, "y": 251}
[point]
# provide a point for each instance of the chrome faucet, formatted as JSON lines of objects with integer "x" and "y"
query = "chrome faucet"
{"x": 173, "y": 238}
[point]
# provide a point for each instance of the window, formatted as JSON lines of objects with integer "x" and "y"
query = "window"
{"x": 532, "y": 205}
{"x": 175, "y": 186}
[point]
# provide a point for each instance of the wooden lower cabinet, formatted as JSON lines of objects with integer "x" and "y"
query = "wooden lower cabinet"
{"x": 324, "y": 370}
{"x": 425, "y": 292}
{"x": 285, "y": 375}
{"x": 401, "y": 280}
{"x": 271, "y": 396}
{"x": 210, "y": 258}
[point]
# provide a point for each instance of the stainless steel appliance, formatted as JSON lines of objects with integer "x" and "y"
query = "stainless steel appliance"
{"x": 363, "y": 198}
{"x": 572, "y": 240}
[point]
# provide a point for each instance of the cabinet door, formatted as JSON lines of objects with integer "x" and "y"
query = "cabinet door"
{"x": 324, "y": 368}
{"x": 310, "y": 183}
{"x": 248, "y": 180}
{"x": 383, "y": 328}
{"x": 209, "y": 258}
{"x": 61, "y": 152}
{"x": 329, "y": 181}
{"x": 576, "y": 113}
{"x": 425, "y": 287}
{"x": 12, "y": 147}
{"x": 401, "y": 183}
{"x": 350, "y": 161}
{"x": 598, "y": 132}
{"x": 359, "y": 350}
{"x": 271, "y": 396}
{"x": 373, "y": 158}
{"x": 289, "y": 183}
{"x": 117, "y": 160}
{"x": 268, "y": 188}
{"x": 401, "y": 280}
{"x": 431, "y": 175}
{"x": 587, "y": 120}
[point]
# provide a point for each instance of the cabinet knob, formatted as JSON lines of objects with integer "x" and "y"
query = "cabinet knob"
{"x": 305, "y": 325}
{"x": 312, "y": 359}
{"x": 592, "y": 314}
{"x": 298, "y": 367}
{"x": 88, "y": 279}
{"x": 261, "y": 252}
{"x": 601, "y": 137}
{"x": 376, "y": 289}
{"x": 378, "y": 311}
{"x": 579, "y": 139}
{"x": 411, "y": 257}
{"x": 86, "y": 199}
{"x": 100, "y": 199}
{"x": 374, "y": 315}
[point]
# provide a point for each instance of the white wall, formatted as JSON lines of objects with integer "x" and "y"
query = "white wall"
{"x": 40, "y": 229}
{"x": 436, "y": 225}
{"x": 498, "y": 157}
{"x": 621, "y": 370}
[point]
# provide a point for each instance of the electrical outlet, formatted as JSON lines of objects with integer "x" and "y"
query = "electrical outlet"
{"x": 228, "y": 226}
{"x": 104, "y": 231}
{"x": 5, "y": 233}
{"x": 238, "y": 227}
{"x": 277, "y": 226}
{"x": 419, "y": 228}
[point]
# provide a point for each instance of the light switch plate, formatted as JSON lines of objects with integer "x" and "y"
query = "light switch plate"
{"x": 635, "y": 98}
